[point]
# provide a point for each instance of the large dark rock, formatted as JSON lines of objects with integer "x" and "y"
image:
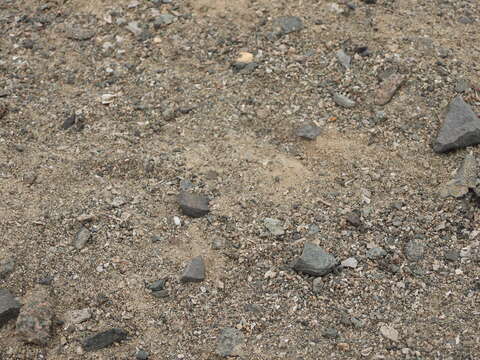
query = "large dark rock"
{"x": 9, "y": 307}
{"x": 104, "y": 339}
{"x": 193, "y": 205}
{"x": 461, "y": 127}
{"x": 315, "y": 261}
{"x": 194, "y": 271}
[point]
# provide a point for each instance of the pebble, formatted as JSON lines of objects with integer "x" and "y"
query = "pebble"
{"x": 46, "y": 280}
{"x": 193, "y": 205}
{"x": 177, "y": 221}
{"x": 230, "y": 343}
{"x": 351, "y": 262}
{"x": 317, "y": 285}
{"x": 308, "y": 131}
{"x": 465, "y": 179}
{"x": 141, "y": 355}
{"x": 7, "y": 266}
{"x": 452, "y": 255}
{"x": 104, "y": 339}
{"x": 3, "y": 110}
{"x": 157, "y": 285}
{"x": 330, "y": 333}
{"x": 79, "y": 34}
{"x": 376, "y": 253}
{"x": 462, "y": 85}
{"x": 344, "y": 59}
{"x": 194, "y": 271}
{"x": 134, "y": 28}
{"x": 81, "y": 238}
{"x": 161, "y": 294}
{"x": 35, "y": 319}
{"x": 389, "y": 332}
{"x": 460, "y": 128}
{"x": 343, "y": 101}
{"x": 9, "y": 307}
{"x": 218, "y": 243}
{"x": 74, "y": 317}
{"x": 274, "y": 226}
{"x": 388, "y": 88}
{"x": 414, "y": 250}
{"x": 163, "y": 20}
{"x": 287, "y": 24}
{"x": 354, "y": 219}
{"x": 315, "y": 261}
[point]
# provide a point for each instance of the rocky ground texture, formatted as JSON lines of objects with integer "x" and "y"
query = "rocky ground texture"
{"x": 253, "y": 179}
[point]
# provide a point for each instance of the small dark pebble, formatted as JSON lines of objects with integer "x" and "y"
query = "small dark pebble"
{"x": 104, "y": 339}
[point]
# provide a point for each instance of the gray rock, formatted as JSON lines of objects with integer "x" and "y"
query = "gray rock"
{"x": 157, "y": 285}
{"x": 461, "y": 127}
{"x": 7, "y": 265}
{"x": 186, "y": 185}
{"x": 134, "y": 28}
{"x": 274, "y": 226}
{"x": 79, "y": 34}
{"x": 141, "y": 355}
{"x": 388, "y": 88}
{"x": 163, "y": 20}
{"x": 465, "y": 179}
{"x": 315, "y": 261}
{"x": 344, "y": 59}
{"x": 74, "y": 317}
{"x": 35, "y": 319}
{"x": 317, "y": 285}
{"x": 218, "y": 243}
{"x": 462, "y": 85}
{"x": 452, "y": 255}
{"x": 194, "y": 271}
{"x": 193, "y": 205}
{"x": 343, "y": 101}
{"x": 308, "y": 131}
{"x": 313, "y": 229}
{"x": 287, "y": 24}
{"x": 81, "y": 238}
{"x": 465, "y": 20}
{"x": 376, "y": 253}
{"x": 330, "y": 333}
{"x": 161, "y": 294}
{"x": 9, "y": 307}
{"x": 414, "y": 250}
{"x": 104, "y": 339}
{"x": 351, "y": 262}
{"x": 230, "y": 343}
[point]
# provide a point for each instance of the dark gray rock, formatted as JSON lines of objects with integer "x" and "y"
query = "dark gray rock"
{"x": 194, "y": 271}
{"x": 287, "y": 24}
{"x": 161, "y": 294}
{"x": 81, "y": 238}
{"x": 104, "y": 339}
{"x": 461, "y": 127}
{"x": 315, "y": 261}
{"x": 35, "y": 319}
{"x": 414, "y": 250}
{"x": 7, "y": 265}
{"x": 308, "y": 131}
{"x": 230, "y": 343}
{"x": 193, "y": 205}
{"x": 9, "y": 307}
{"x": 376, "y": 253}
{"x": 157, "y": 285}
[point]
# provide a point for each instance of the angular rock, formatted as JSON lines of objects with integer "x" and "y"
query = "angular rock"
{"x": 193, "y": 205}
{"x": 3, "y": 110}
{"x": 465, "y": 179}
{"x": 163, "y": 20}
{"x": 157, "y": 285}
{"x": 36, "y": 317}
{"x": 376, "y": 253}
{"x": 344, "y": 59}
{"x": 414, "y": 250}
{"x": 9, "y": 307}
{"x": 194, "y": 271}
{"x": 388, "y": 88}
{"x": 287, "y": 24}
{"x": 315, "y": 261}
{"x": 460, "y": 128}
{"x": 308, "y": 131}
{"x": 274, "y": 226}
{"x": 462, "y": 85}
{"x": 73, "y": 317}
{"x": 351, "y": 262}
{"x": 104, "y": 339}
{"x": 7, "y": 265}
{"x": 81, "y": 238}
{"x": 134, "y": 28}
{"x": 230, "y": 343}
{"x": 343, "y": 101}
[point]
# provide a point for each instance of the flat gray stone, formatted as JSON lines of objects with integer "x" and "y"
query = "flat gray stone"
{"x": 81, "y": 238}
{"x": 74, "y": 317}
{"x": 80, "y": 34}
{"x": 193, "y": 205}
{"x": 460, "y": 128}
{"x": 9, "y": 307}
{"x": 104, "y": 339}
{"x": 134, "y": 28}
{"x": 376, "y": 253}
{"x": 274, "y": 226}
{"x": 351, "y": 262}
{"x": 414, "y": 250}
{"x": 230, "y": 343}
{"x": 287, "y": 24}
{"x": 343, "y": 101}
{"x": 194, "y": 271}
{"x": 315, "y": 261}
{"x": 344, "y": 59}
{"x": 308, "y": 131}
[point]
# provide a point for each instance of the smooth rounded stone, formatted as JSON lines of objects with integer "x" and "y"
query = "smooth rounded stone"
{"x": 344, "y": 59}
{"x": 343, "y": 101}
{"x": 330, "y": 333}
{"x": 351, "y": 262}
{"x": 81, "y": 238}
{"x": 9, "y": 307}
{"x": 35, "y": 320}
{"x": 141, "y": 355}
{"x": 376, "y": 253}
{"x": 452, "y": 255}
{"x": 315, "y": 261}
{"x": 287, "y": 24}
{"x": 104, "y": 339}
{"x": 317, "y": 285}
{"x": 460, "y": 128}
{"x": 74, "y": 317}
{"x": 274, "y": 226}
{"x": 230, "y": 343}
{"x": 193, "y": 205}
{"x": 7, "y": 266}
{"x": 157, "y": 285}
{"x": 414, "y": 250}
{"x": 194, "y": 271}
{"x": 308, "y": 131}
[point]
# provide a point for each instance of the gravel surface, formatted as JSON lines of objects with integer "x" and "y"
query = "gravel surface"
{"x": 245, "y": 145}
